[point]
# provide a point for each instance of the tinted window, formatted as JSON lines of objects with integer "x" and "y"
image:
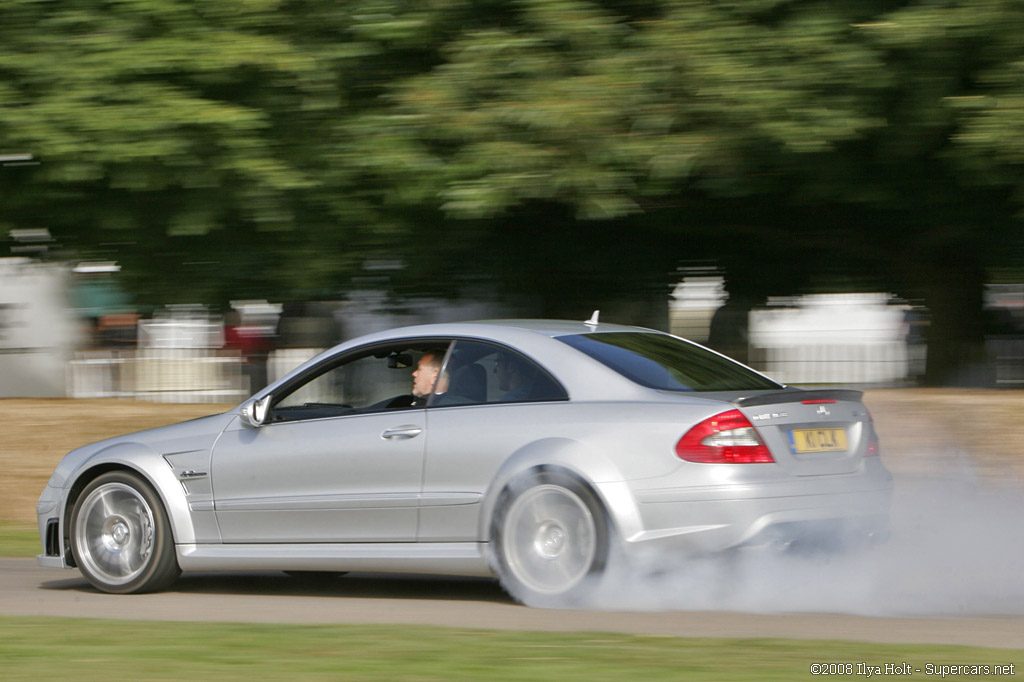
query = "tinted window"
{"x": 478, "y": 373}
{"x": 372, "y": 380}
{"x": 667, "y": 363}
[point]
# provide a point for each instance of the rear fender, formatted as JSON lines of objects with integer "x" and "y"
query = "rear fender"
{"x": 575, "y": 459}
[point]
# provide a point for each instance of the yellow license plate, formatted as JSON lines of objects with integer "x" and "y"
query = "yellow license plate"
{"x": 818, "y": 440}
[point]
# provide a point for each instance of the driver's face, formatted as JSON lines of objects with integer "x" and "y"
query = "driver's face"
{"x": 424, "y": 376}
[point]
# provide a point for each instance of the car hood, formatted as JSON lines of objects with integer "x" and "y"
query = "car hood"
{"x": 195, "y": 434}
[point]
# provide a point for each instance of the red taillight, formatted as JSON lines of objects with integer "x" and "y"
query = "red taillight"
{"x": 872, "y": 449}
{"x": 818, "y": 401}
{"x": 726, "y": 438}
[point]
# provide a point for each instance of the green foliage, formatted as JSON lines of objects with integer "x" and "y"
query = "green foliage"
{"x": 285, "y": 143}
{"x": 574, "y": 103}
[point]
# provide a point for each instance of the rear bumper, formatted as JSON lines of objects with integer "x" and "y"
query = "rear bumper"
{"x": 715, "y": 518}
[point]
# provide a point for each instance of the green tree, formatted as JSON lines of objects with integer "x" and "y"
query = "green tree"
{"x": 561, "y": 154}
{"x": 829, "y": 139}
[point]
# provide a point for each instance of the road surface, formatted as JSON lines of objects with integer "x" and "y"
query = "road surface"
{"x": 28, "y": 590}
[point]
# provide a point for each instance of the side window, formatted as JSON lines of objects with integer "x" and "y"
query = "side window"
{"x": 481, "y": 373}
{"x": 377, "y": 379}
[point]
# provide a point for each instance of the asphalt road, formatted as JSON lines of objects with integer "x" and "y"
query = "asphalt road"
{"x": 28, "y": 590}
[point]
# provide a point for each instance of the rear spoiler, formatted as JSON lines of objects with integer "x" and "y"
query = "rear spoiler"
{"x": 798, "y": 395}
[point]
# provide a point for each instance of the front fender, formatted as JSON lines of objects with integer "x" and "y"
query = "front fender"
{"x": 149, "y": 464}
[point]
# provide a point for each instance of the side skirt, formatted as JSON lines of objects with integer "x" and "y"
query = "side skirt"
{"x": 441, "y": 558}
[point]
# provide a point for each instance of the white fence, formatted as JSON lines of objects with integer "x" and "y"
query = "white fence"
{"x": 834, "y": 339}
{"x": 1008, "y": 357}
{"x": 178, "y": 375}
{"x": 877, "y": 363}
{"x": 284, "y": 360}
{"x": 166, "y": 375}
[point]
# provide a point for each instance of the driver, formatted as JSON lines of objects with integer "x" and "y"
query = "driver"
{"x": 426, "y": 374}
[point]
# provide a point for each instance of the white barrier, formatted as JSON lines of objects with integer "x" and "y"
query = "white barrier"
{"x": 284, "y": 360}
{"x": 1008, "y": 357}
{"x": 876, "y": 363}
{"x": 832, "y": 339}
{"x": 179, "y": 375}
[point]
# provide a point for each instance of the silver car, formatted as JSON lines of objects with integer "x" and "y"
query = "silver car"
{"x": 537, "y": 448}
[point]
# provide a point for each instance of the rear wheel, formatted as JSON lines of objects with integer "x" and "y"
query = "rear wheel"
{"x": 120, "y": 536}
{"x": 549, "y": 539}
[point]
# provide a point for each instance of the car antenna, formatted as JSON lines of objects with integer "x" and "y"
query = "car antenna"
{"x": 593, "y": 318}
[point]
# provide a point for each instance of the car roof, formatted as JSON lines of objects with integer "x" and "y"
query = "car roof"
{"x": 564, "y": 327}
{"x": 552, "y": 328}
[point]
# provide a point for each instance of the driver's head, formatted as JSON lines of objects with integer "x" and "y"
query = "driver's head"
{"x": 425, "y": 375}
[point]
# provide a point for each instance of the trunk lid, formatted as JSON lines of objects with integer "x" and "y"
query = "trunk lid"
{"x": 812, "y": 433}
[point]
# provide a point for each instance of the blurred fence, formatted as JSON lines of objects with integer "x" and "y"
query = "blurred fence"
{"x": 835, "y": 339}
{"x": 179, "y": 375}
{"x": 284, "y": 360}
{"x": 879, "y": 363}
{"x": 1007, "y": 356}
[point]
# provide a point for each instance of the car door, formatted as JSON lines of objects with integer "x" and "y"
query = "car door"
{"x": 495, "y": 402}
{"x": 339, "y": 458}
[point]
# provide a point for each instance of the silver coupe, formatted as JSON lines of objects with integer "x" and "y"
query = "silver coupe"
{"x": 526, "y": 450}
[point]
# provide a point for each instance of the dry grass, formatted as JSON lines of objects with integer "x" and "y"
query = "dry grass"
{"x": 942, "y": 431}
{"x": 923, "y": 431}
{"x": 39, "y": 432}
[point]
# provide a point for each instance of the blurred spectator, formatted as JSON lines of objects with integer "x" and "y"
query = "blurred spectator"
{"x": 117, "y": 330}
{"x": 306, "y": 325}
{"x": 253, "y": 342}
{"x": 730, "y": 325}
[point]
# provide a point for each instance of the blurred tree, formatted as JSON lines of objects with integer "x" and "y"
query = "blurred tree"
{"x": 830, "y": 139}
{"x": 187, "y": 138}
{"x": 561, "y": 154}
{"x": 944, "y": 169}
{"x": 578, "y": 151}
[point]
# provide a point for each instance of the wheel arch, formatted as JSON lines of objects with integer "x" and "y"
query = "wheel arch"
{"x": 589, "y": 467}
{"x": 146, "y": 464}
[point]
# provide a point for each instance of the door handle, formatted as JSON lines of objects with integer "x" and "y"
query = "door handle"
{"x": 401, "y": 432}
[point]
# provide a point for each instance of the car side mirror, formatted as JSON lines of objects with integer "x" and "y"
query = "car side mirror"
{"x": 254, "y": 412}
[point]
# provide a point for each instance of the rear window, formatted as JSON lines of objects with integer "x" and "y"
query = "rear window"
{"x": 667, "y": 363}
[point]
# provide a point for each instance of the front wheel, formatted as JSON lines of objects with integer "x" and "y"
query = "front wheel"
{"x": 549, "y": 539}
{"x": 120, "y": 536}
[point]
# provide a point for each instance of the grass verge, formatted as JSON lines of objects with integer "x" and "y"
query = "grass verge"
{"x": 46, "y": 648}
{"x": 18, "y": 540}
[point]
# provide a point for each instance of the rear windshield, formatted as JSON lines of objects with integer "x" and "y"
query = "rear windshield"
{"x": 667, "y": 363}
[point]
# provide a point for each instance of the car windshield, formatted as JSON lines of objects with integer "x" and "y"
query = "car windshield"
{"x": 667, "y": 363}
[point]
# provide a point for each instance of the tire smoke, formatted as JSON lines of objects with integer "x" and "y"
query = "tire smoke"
{"x": 956, "y": 548}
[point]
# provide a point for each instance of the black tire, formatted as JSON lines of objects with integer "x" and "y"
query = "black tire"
{"x": 549, "y": 539}
{"x": 120, "y": 535}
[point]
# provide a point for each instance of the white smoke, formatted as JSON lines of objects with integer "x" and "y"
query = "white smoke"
{"x": 956, "y": 548}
